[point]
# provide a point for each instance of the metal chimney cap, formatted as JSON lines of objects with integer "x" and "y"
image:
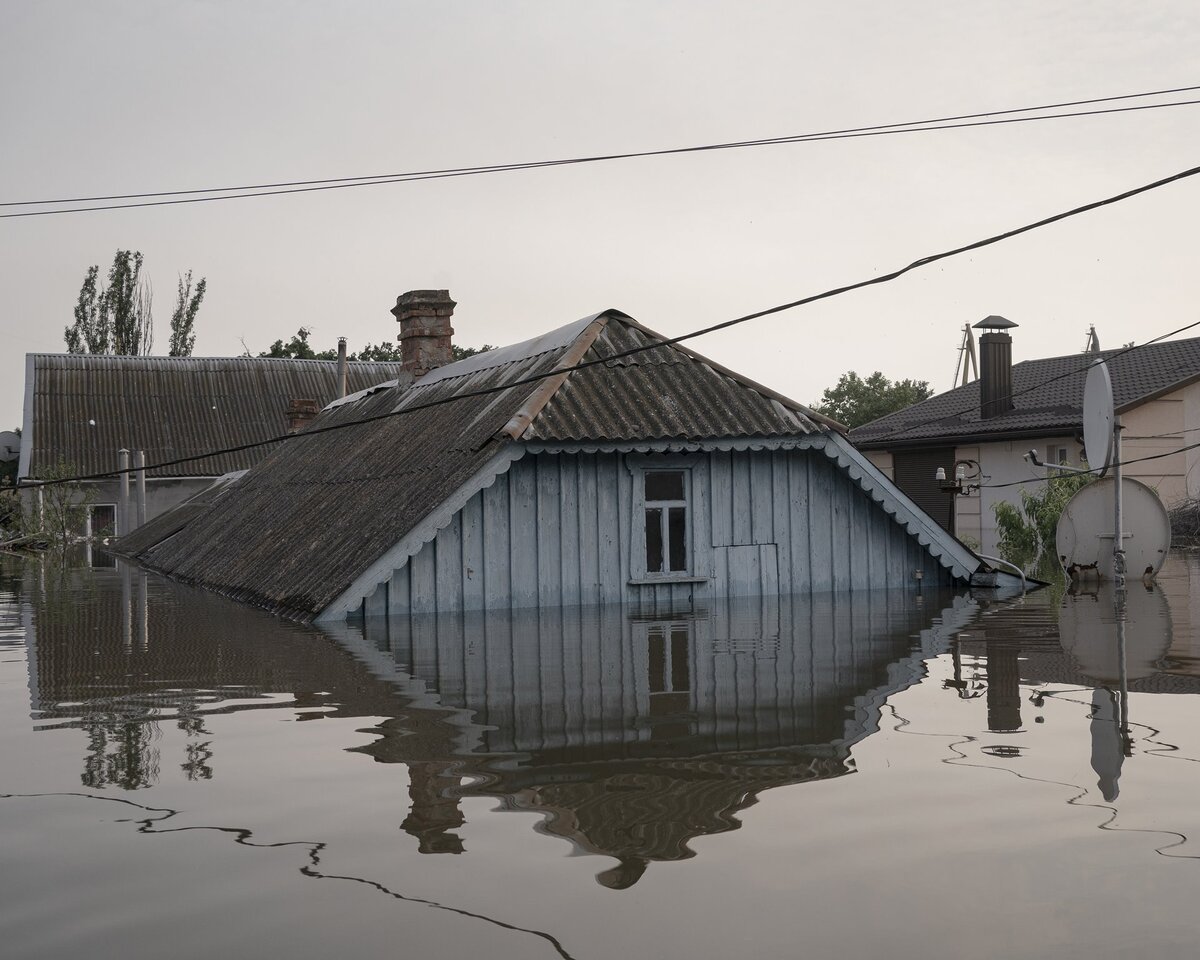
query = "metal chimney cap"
{"x": 994, "y": 322}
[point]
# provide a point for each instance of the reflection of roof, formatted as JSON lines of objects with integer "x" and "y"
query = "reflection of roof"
{"x": 84, "y": 408}
{"x": 1057, "y": 407}
{"x": 297, "y": 530}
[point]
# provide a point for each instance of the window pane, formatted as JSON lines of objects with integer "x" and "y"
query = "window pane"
{"x": 676, "y": 533}
{"x": 654, "y": 541}
{"x": 664, "y": 485}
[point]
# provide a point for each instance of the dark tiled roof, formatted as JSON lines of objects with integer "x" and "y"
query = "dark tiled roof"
{"x": 297, "y": 530}
{"x": 1047, "y": 397}
{"x": 171, "y": 407}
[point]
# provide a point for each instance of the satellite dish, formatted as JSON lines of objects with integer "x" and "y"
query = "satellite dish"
{"x": 1098, "y": 418}
{"x": 1087, "y": 630}
{"x": 1084, "y": 538}
{"x": 10, "y": 446}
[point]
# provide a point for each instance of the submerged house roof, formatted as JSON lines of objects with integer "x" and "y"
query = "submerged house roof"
{"x": 83, "y": 408}
{"x": 387, "y": 466}
{"x": 1047, "y": 398}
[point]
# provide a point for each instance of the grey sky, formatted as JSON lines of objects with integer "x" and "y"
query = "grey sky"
{"x": 125, "y": 97}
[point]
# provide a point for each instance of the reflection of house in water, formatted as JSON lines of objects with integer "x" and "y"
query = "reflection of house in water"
{"x": 634, "y": 734}
{"x": 121, "y": 656}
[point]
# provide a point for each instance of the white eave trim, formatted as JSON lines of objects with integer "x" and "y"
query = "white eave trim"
{"x": 367, "y": 582}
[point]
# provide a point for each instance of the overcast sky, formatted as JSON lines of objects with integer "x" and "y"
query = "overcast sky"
{"x": 112, "y": 97}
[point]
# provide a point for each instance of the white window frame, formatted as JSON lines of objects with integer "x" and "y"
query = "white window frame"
{"x": 639, "y": 467}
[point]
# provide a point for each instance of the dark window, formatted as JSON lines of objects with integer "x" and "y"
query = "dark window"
{"x": 666, "y": 522}
{"x": 104, "y": 519}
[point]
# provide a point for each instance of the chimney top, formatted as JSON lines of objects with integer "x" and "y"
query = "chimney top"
{"x": 994, "y": 322}
{"x": 425, "y": 331}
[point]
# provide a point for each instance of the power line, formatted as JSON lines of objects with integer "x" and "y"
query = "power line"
{"x": 496, "y": 167}
{"x": 671, "y": 341}
{"x": 1062, "y": 475}
{"x": 350, "y": 182}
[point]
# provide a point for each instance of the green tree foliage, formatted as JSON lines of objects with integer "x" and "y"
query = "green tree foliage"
{"x": 1027, "y": 531}
{"x": 183, "y": 317}
{"x": 299, "y": 348}
{"x": 119, "y": 318}
{"x": 855, "y": 401}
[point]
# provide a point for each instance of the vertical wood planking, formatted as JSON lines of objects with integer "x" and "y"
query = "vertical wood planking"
{"x": 568, "y": 491}
{"x": 741, "y": 495}
{"x": 589, "y": 535}
{"x": 820, "y": 509}
{"x": 781, "y": 525}
{"x": 798, "y": 496}
{"x": 720, "y": 485}
{"x": 449, "y": 566}
{"x": 497, "y": 583}
{"x": 398, "y": 592}
{"x": 612, "y": 584}
{"x": 700, "y": 517}
{"x": 761, "y": 499}
{"x": 523, "y": 527}
{"x": 550, "y": 544}
{"x": 423, "y": 582}
{"x": 473, "y": 571}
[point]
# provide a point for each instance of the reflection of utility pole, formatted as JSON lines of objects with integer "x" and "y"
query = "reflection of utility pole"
{"x": 1108, "y": 743}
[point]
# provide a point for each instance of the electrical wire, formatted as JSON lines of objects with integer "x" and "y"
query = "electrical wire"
{"x": 492, "y": 167}
{"x": 1062, "y": 475}
{"x": 670, "y": 341}
{"x": 345, "y": 183}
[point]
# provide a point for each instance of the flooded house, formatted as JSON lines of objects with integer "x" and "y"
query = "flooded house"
{"x": 987, "y": 428}
{"x": 81, "y": 410}
{"x": 594, "y": 464}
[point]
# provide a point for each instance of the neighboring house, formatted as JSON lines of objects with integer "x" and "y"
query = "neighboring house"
{"x": 987, "y": 428}
{"x": 651, "y": 477}
{"x": 81, "y": 409}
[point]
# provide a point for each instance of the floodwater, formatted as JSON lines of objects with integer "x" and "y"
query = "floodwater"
{"x": 875, "y": 775}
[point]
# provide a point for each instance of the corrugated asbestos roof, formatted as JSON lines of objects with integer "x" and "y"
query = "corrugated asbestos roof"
{"x": 171, "y": 407}
{"x": 661, "y": 393}
{"x": 298, "y": 529}
{"x": 1056, "y": 407}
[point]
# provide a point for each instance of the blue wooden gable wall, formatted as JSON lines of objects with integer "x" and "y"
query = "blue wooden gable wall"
{"x": 567, "y": 528}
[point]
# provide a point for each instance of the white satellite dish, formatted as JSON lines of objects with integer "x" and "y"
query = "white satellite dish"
{"x": 1084, "y": 538}
{"x": 1098, "y": 418}
{"x": 1087, "y": 630}
{"x": 10, "y": 446}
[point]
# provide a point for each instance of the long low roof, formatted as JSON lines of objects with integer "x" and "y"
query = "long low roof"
{"x": 82, "y": 408}
{"x": 1047, "y": 398}
{"x": 297, "y": 530}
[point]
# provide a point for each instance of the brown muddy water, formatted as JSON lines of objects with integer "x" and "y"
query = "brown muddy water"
{"x": 875, "y": 775}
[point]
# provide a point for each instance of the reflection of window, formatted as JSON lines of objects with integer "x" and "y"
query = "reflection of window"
{"x": 666, "y": 521}
{"x": 668, "y": 659}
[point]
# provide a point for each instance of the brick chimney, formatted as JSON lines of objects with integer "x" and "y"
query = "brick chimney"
{"x": 995, "y": 367}
{"x": 425, "y": 329}
{"x": 300, "y": 413}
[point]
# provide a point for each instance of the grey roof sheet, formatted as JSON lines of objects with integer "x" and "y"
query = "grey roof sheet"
{"x": 171, "y": 407}
{"x": 661, "y": 393}
{"x": 1047, "y": 397}
{"x": 301, "y": 526}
